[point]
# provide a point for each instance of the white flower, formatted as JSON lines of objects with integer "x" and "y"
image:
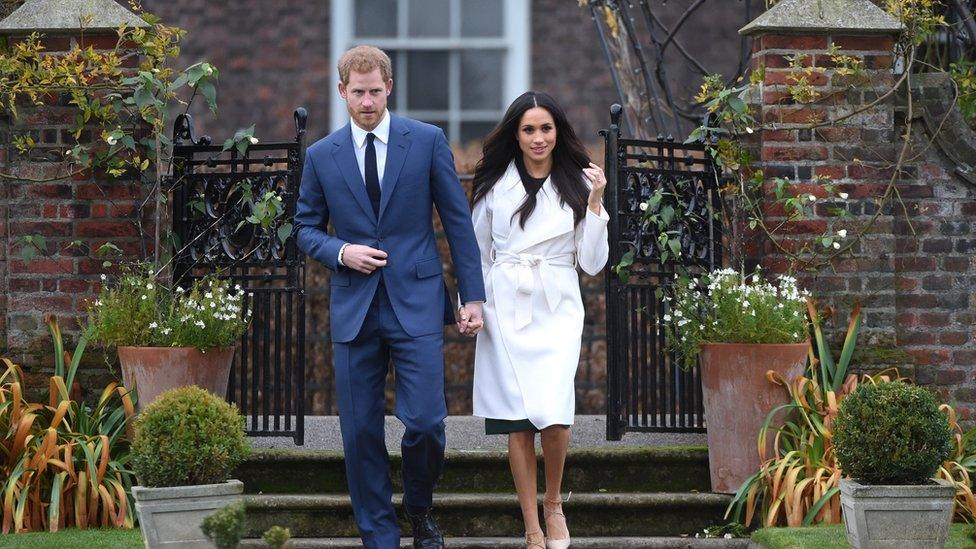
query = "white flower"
{"x": 745, "y": 304}
{"x": 748, "y": 129}
{"x": 166, "y": 331}
{"x": 208, "y": 295}
{"x": 237, "y": 287}
{"x": 149, "y": 286}
{"x": 200, "y": 324}
{"x": 111, "y": 140}
{"x": 143, "y": 297}
{"x": 153, "y": 325}
{"x": 842, "y": 233}
{"x": 643, "y": 206}
{"x": 727, "y": 536}
{"x": 180, "y": 290}
{"x": 104, "y": 277}
{"x": 843, "y": 195}
{"x": 812, "y": 198}
{"x": 254, "y": 140}
{"x": 836, "y": 245}
{"x": 667, "y": 317}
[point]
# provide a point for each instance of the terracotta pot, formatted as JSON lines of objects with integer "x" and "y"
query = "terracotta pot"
{"x": 738, "y": 397}
{"x": 155, "y": 370}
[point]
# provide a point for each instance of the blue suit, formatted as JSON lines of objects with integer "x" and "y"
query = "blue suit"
{"x": 398, "y": 312}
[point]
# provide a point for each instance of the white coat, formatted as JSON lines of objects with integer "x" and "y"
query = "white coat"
{"x": 527, "y": 353}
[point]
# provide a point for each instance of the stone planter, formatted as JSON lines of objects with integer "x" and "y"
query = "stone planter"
{"x": 171, "y": 516}
{"x": 152, "y": 371}
{"x": 889, "y": 517}
{"x": 737, "y": 398}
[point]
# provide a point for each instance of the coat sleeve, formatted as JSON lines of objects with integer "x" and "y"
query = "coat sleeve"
{"x": 481, "y": 219}
{"x": 592, "y": 241}
{"x": 312, "y": 220}
{"x": 452, "y": 206}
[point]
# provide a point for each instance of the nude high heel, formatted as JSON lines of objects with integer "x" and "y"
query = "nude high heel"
{"x": 535, "y": 540}
{"x": 551, "y": 509}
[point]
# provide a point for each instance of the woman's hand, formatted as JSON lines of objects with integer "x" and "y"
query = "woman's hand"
{"x": 599, "y": 184}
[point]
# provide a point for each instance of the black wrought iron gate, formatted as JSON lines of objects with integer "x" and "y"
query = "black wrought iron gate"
{"x": 213, "y": 192}
{"x": 646, "y": 389}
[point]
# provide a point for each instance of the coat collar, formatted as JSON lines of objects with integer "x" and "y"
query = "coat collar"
{"x": 549, "y": 219}
{"x": 345, "y": 157}
{"x": 396, "y": 152}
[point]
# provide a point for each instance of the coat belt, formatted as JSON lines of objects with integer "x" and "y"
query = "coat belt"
{"x": 525, "y": 280}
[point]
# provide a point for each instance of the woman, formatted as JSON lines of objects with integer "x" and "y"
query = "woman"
{"x": 538, "y": 213}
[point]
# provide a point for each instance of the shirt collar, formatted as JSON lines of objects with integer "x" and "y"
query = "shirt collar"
{"x": 382, "y": 131}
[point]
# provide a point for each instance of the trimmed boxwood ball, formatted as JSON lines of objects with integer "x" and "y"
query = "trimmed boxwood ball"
{"x": 891, "y": 433}
{"x": 188, "y": 436}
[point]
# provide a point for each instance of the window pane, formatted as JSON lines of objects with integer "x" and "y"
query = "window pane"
{"x": 482, "y": 18}
{"x": 481, "y": 79}
{"x": 475, "y": 131}
{"x": 430, "y": 18}
{"x": 394, "y": 61}
{"x": 376, "y": 18}
{"x": 427, "y": 81}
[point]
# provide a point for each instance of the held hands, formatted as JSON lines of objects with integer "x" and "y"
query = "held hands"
{"x": 470, "y": 319}
{"x": 599, "y": 184}
{"x": 363, "y": 258}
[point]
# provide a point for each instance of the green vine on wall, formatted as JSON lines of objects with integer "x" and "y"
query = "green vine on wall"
{"x": 121, "y": 120}
{"x": 770, "y": 207}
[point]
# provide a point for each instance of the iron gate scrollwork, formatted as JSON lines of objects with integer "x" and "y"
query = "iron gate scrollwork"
{"x": 647, "y": 390}
{"x": 214, "y": 193}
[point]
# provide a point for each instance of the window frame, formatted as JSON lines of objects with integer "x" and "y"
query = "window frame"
{"x": 514, "y": 43}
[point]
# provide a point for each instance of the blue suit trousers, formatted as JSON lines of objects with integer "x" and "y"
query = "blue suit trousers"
{"x": 361, "y": 366}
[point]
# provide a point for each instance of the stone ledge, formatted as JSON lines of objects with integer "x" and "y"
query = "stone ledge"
{"x": 67, "y": 15}
{"x": 855, "y": 17}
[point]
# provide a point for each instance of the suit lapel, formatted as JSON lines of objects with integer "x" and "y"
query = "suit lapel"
{"x": 396, "y": 154}
{"x": 345, "y": 157}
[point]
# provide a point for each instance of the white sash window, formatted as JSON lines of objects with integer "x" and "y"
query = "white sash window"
{"x": 456, "y": 63}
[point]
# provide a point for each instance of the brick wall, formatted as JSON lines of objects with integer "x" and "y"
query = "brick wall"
{"x": 856, "y": 153}
{"x": 84, "y": 207}
{"x": 913, "y": 272}
{"x": 935, "y": 269}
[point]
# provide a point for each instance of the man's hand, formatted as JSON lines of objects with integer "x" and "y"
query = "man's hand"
{"x": 363, "y": 258}
{"x": 470, "y": 321}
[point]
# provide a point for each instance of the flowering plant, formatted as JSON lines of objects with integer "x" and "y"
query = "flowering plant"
{"x": 141, "y": 311}
{"x": 726, "y": 307}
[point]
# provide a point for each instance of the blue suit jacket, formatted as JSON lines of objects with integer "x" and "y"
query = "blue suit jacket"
{"x": 419, "y": 174}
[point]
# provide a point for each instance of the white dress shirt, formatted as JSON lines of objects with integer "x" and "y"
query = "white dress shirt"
{"x": 382, "y": 133}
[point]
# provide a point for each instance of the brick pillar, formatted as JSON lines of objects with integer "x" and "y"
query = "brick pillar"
{"x": 853, "y": 153}
{"x": 90, "y": 208}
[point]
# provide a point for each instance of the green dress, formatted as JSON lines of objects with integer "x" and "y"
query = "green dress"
{"x": 505, "y": 426}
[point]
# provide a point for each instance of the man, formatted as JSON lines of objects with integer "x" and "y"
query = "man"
{"x": 376, "y": 180}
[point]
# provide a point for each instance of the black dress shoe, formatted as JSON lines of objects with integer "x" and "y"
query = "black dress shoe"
{"x": 426, "y": 535}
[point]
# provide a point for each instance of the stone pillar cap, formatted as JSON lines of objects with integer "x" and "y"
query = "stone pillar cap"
{"x": 65, "y": 16}
{"x": 856, "y": 17}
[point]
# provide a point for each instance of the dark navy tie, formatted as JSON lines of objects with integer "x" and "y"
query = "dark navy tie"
{"x": 372, "y": 177}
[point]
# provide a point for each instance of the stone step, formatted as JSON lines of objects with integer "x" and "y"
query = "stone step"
{"x": 519, "y": 543}
{"x": 491, "y": 515}
{"x": 653, "y": 469}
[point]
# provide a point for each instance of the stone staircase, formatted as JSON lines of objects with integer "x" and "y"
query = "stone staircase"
{"x": 622, "y": 497}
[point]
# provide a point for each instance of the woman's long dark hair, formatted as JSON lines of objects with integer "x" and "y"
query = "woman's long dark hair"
{"x": 568, "y": 157}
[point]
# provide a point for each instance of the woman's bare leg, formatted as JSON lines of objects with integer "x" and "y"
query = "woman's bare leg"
{"x": 555, "y": 444}
{"x": 521, "y": 458}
